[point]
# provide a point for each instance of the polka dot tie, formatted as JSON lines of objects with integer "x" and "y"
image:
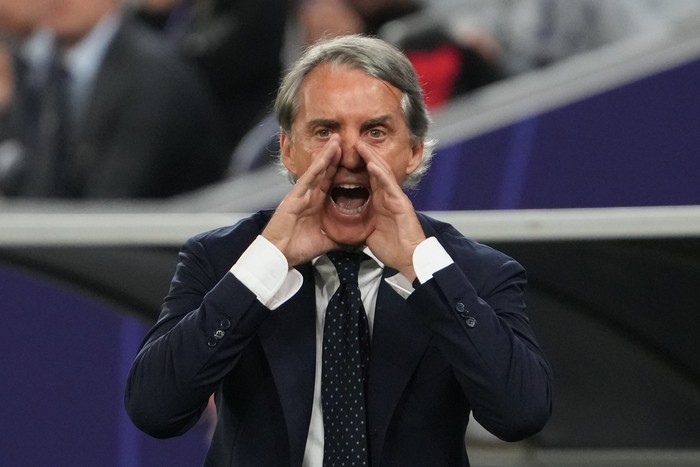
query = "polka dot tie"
{"x": 345, "y": 363}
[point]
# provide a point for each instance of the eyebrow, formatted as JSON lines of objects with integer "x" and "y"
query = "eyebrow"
{"x": 376, "y": 121}
{"x": 327, "y": 122}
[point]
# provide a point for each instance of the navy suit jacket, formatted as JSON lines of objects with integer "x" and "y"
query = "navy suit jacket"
{"x": 461, "y": 342}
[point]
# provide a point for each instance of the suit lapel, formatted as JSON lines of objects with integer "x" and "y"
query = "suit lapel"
{"x": 398, "y": 343}
{"x": 288, "y": 338}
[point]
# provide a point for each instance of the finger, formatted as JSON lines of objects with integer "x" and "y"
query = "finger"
{"x": 369, "y": 154}
{"x": 382, "y": 178}
{"x": 323, "y": 165}
{"x": 381, "y": 175}
{"x": 316, "y": 178}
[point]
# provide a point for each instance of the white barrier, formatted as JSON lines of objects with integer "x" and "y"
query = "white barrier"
{"x": 170, "y": 229}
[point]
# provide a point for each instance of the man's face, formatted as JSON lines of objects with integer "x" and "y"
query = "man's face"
{"x": 366, "y": 114}
{"x": 20, "y": 18}
{"x": 71, "y": 20}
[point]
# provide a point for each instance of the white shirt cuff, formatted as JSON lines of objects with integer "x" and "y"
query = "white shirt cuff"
{"x": 400, "y": 284}
{"x": 265, "y": 271}
{"x": 428, "y": 258}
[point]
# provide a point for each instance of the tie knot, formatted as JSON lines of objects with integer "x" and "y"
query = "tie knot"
{"x": 347, "y": 265}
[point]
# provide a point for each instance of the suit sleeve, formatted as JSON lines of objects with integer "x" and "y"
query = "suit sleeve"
{"x": 205, "y": 323}
{"x": 477, "y": 310}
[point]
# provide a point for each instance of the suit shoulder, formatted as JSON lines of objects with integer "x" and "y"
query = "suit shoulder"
{"x": 135, "y": 34}
{"x": 218, "y": 249}
{"x": 242, "y": 232}
{"x": 136, "y": 46}
{"x": 458, "y": 245}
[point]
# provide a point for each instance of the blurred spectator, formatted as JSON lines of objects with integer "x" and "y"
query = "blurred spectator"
{"x": 9, "y": 149}
{"x": 237, "y": 44}
{"x": 7, "y": 84}
{"x": 536, "y": 33}
{"x": 169, "y": 16}
{"x": 448, "y": 65}
{"x": 118, "y": 114}
{"x": 317, "y": 19}
{"x": 24, "y": 54}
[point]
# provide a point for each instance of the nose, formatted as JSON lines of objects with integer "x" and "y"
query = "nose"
{"x": 350, "y": 158}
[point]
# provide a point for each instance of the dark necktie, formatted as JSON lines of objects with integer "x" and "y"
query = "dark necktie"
{"x": 345, "y": 363}
{"x": 27, "y": 94}
{"x": 54, "y": 172}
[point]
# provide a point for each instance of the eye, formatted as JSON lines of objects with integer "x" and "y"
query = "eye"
{"x": 376, "y": 133}
{"x": 323, "y": 133}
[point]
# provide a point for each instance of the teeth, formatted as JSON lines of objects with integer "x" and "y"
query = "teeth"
{"x": 357, "y": 210}
{"x": 344, "y": 207}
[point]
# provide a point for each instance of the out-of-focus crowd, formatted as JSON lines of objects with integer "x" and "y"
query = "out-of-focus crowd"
{"x": 154, "y": 98}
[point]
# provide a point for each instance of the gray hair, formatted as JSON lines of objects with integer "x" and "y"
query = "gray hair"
{"x": 377, "y": 58}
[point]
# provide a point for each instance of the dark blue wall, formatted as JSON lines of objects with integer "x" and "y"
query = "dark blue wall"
{"x": 64, "y": 357}
{"x": 637, "y": 145}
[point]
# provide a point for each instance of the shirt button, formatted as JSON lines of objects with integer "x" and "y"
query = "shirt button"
{"x": 211, "y": 342}
{"x": 225, "y": 324}
{"x": 219, "y": 334}
{"x": 471, "y": 322}
{"x": 460, "y": 307}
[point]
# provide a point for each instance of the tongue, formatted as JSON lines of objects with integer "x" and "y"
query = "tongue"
{"x": 350, "y": 199}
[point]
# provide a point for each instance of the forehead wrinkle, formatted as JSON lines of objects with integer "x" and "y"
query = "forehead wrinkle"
{"x": 329, "y": 68}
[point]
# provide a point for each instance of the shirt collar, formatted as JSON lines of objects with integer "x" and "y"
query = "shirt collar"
{"x": 36, "y": 50}
{"x": 84, "y": 59}
{"x": 365, "y": 250}
{"x": 35, "y": 54}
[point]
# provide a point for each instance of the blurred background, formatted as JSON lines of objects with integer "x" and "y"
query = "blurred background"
{"x": 568, "y": 137}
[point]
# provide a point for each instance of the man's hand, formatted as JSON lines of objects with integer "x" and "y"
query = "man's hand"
{"x": 295, "y": 228}
{"x": 397, "y": 229}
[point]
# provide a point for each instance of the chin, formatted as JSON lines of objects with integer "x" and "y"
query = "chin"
{"x": 348, "y": 233}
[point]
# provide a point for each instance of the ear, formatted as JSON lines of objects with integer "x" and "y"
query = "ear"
{"x": 415, "y": 157}
{"x": 286, "y": 152}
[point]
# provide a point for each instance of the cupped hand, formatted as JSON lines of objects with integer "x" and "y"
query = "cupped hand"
{"x": 295, "y": 227}
{"x": 397, "y": 230}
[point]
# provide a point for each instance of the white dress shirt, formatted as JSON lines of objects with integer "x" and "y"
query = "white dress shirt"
{"x": 264, "y": 270}
{"x": 84, "y": 59}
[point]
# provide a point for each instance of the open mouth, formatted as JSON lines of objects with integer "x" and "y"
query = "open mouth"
{"x": 349, "y": 198}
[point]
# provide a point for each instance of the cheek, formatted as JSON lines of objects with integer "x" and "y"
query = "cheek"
{"x": 298, "y": 159}
{"x": 415, "y": 156}
{"x": 306, "y": 153}
{"x": 402, "y": 163}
